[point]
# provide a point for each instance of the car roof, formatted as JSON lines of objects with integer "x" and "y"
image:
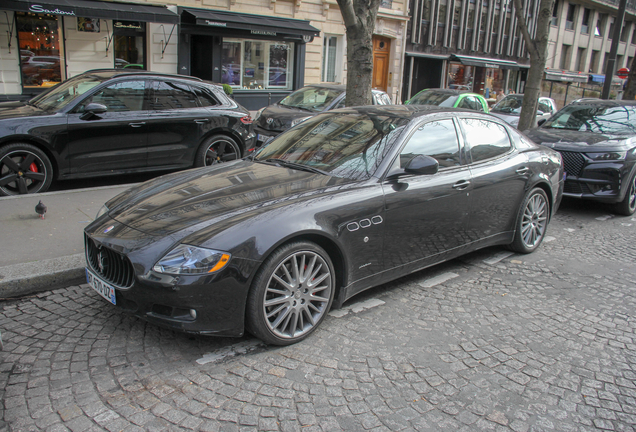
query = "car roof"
{"x": 604, "y": 102}
{"x": 409, "y": 111}
{"x": 113, "y": 73}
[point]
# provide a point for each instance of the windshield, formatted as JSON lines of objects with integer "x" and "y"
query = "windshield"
{"x": 618, "y": 120}
{"x": 314, "y": 99}
{"x": 508, "y": 105}
{"x": 349, "y": 145}
{"x": 66, "y": 92}
{"x": 432, "y": 97}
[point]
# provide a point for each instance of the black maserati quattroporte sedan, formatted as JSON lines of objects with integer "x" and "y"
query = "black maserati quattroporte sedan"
{"x": 347, "y": 200}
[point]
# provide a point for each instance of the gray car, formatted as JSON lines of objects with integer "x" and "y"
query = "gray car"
{"x": 509, "y": 108}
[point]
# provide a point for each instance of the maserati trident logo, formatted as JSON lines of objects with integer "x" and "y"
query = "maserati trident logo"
{"x": 102, "y": 262}
{"x": 270, "y": 121}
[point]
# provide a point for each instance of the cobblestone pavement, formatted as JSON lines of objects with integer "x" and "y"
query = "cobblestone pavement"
{"x": 489, "y": 342}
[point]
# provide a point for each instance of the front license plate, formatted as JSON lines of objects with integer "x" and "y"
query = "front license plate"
{"x": 103, "y": 289}
{"x": 262, "y": 138}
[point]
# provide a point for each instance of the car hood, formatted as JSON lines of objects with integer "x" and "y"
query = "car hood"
{"x": 10, "y": 110}
{"x": 195, "y": 199}
{"x": 563, "y": 139}
{"x": 279, "y": 118}
{"x": 508, "y": 118}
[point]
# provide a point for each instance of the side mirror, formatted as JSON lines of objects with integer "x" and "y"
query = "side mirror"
{"x": 421, "y": 164}
{"x": 540, "y": 122}
{"x": 95, "y": 108}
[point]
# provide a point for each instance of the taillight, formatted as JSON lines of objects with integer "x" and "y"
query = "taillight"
{"x": 246, "y": 120}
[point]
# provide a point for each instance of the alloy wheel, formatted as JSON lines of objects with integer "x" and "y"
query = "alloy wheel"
{"x": 221, "y": 151}
{"x": 297, "y": 294}
{"x": 22, "y": 172}
{"x": 534, "y": 221}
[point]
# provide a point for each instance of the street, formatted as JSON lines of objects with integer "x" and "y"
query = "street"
{"x": 493, "y": 341}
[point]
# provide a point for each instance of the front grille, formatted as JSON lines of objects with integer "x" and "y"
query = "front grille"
{"x": 573, "y": 162}
{"x": 111, "y": 266}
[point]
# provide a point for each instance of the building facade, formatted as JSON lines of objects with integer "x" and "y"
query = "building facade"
{"x": 476, "y": 45}
{"x": 263, "y": 49}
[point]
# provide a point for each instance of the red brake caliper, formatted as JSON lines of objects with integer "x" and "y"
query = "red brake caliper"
{"x": 33, "y": 167}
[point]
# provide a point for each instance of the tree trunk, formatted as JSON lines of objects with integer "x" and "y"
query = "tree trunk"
{"x": 538, "y": 49}
{"x": 630, "y": 88}
{"x": 359, "y": 18}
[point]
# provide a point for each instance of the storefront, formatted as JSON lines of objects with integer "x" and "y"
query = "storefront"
{"x": 480, "y": 75}
{"x": 261, "y": 58}
{"x": 49, "y": 41}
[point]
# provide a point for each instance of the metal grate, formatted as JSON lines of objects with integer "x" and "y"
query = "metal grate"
{"x": 576, "y": 188}
{"x": 573, "y": 162}
{"x": 111, "y": 266}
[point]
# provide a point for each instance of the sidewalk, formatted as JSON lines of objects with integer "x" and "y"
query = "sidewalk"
{"x": 42, "y": 254}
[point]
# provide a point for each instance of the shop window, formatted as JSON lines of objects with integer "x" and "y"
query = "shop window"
{"x": 129, "y": 40}
{"x": 330, "y": 59}
{"x": 257, "y": 64}
{"x": 460, "y": 77}
{"x": 39, "y": 41}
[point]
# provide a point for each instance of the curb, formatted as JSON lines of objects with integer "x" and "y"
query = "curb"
{"x": 22, "y": 279}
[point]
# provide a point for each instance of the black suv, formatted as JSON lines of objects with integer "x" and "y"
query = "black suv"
{"x": 107, "y": 122}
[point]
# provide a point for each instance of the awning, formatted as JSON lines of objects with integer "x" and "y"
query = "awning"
{"x": 565, "y": 76}
{"x": 426, "y": 55}
{"x": 485, "y": 62}
{"x": 95, "y": 9}
{"x": 255, "y": 24}
{"x": 596, "y": 78}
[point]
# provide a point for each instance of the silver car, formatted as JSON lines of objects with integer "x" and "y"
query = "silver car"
{"x": 509, "y": 108}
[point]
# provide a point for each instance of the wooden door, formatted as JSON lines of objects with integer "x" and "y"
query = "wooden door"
{"x": 381, "y": 52}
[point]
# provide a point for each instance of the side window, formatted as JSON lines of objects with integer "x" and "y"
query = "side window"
{"x": 169, "y": 95}
{"x": 544, "y": 106}
{"x": 205, "y": 96}
{"x": 437, "y": 139}
{"x": 486, "y": 139}
{"x": 121, "y": 96}
{"x": 479, "y": 106}
{"x": 464, "y": 103}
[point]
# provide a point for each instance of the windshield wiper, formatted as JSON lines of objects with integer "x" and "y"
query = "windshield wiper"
{"x": 297, "y": 166}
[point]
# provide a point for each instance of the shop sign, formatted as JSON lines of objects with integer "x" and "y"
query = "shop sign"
{"x": 134, "y": 25}
{"x": 491, "y": 66}
{"x": 40, "y": 9}
{"x": 564, "y": 78}
{"x": 263, "y": 33}
{"x": 216, "y": 24}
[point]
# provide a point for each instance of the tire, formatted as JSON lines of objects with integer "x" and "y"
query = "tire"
{"x": 532, "y": 222}
{"x": 24, "y": 169}
{"x": 627, "y": 207}
{"x": 284, "y": 305}
{"x": 217, "y": 149}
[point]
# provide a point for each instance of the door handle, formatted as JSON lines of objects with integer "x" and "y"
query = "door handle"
{"x": 523, "y": 170}
{"x": 461, "y": 185}
{"x": 136, "y": 125}
{"x": 201, "y": 121}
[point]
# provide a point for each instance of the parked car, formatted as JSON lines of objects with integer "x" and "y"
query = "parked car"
{"x": 450, "y": 98}
{"x": 597, "y": 139}
{"x": 301, "y": 105}
{"x": 509, "y": 108}
{"x": 347, "y": 200}
{"x": 109, "y": 122}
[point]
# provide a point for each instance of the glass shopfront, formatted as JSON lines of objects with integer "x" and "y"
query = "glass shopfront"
{"x": 257, "y": 64}
{"x": 39, "y": 38}
{"x": 130, "y": 44}
{"x": 482, "y": 80}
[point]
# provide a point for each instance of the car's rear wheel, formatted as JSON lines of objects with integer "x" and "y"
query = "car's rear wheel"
{"x": 24, "y": 169}
{"x": 627, "y": 207}
{"x": 217, "y": 149}
{"x": 532, "y": 222}
{"x": 291, "y": 294}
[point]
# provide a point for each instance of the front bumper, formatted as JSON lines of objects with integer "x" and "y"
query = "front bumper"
{"x": 210, "y": 304}
{"x": 598, "y": 181}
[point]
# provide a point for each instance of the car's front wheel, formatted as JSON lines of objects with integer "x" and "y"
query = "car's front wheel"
{"x": 532, "y": 222}
{"x": 217, "y": 149}
{"x": 291, "y": 294}
{"x": 627, "y": 207}
{"x": 24, "y": 169}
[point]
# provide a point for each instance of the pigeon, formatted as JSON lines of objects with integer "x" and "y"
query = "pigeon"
{"x": 40, "y": 209}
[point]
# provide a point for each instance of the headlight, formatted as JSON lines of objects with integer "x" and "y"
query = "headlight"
{"x": 258, "y": 114}
{"x": 186, "y": 259}
{"x": 607, "y": 156}
{"x": 101, "y": 211}
{"x": 299, "y": 121}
